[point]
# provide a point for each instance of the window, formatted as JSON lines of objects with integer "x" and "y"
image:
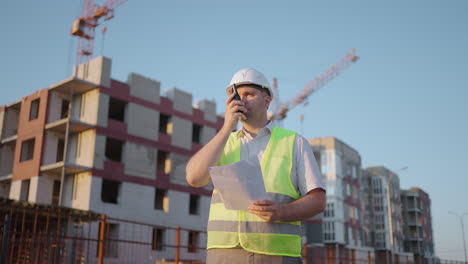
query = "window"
{"x": 379, "y": 222}
{"x": 110, "y": 191}
{"x": 194, "y": 204}
{"x": 161, "y": 200}
{"x": 165, "y": 125}
{"x": 329, "y": 231}
{"x": 329, "y": 210}
{"x": 56, "y": 193}
{"x": 114, "y": 149}
{"x": 60, "y": 150}
{"x": 24, "y": 193}
{"x": 192, "y": 241}
{"x": 378, "y": 204}
{"x": 157, "y": 242}
{"x": 64, "y": 109}
{"x": 27, "y": 150}
{"x": 117, "y": 109}
{"x": 34, "y": 111}
{"x": 196, "y": 133}
{"x": 164, "y": 163}
{"x": 377, "y": 185}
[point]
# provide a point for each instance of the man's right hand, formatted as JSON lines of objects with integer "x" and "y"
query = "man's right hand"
{"x": 235, "y": 110}
{"x": 197, "y": 168}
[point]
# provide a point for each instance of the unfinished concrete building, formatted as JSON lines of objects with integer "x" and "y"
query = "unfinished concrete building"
{"x": 118, "y": 148}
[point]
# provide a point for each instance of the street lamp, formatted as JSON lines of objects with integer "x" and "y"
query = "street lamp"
{"x": 463, "y": 230}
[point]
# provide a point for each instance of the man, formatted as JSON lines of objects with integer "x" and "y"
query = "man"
{"x": 270, "y": 231}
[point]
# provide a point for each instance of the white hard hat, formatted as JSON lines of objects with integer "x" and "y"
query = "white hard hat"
{"x": 249, "y": 76}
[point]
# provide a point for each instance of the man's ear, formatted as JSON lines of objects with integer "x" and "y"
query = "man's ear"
{"x": 268, "y": 100}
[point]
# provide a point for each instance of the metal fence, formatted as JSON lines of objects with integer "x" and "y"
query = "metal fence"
{"x": 39, "y": 234}
{"x": 35, "y": 234}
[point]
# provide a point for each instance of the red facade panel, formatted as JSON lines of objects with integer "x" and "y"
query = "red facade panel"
{"x": 32, "y": 120}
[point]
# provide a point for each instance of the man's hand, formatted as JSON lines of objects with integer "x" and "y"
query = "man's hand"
{"x": 267, "y": 210}
{"x": 311, "y": 204}
{"x": 232, "y": 114}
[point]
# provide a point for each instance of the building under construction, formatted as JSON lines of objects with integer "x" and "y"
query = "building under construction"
{"x": 104, "y": 161}
{"x": 116, "y": 148}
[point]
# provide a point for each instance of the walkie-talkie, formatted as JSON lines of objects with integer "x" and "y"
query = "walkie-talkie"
{"x": 236, "y": 96}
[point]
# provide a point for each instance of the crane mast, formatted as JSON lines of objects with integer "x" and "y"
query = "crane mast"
{"x": 331, "y": 73}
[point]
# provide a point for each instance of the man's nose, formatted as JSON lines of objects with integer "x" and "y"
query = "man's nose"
{"x": 243, "y": 98}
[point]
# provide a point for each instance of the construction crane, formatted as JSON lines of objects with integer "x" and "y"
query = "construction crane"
{"x": 280, "y": 112}
{"x": 85, "y": 26}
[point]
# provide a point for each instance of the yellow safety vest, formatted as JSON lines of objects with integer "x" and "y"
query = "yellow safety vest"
{"x": 231, "y": 228}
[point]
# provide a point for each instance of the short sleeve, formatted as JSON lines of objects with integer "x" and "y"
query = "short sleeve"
{"x": 306, "y": 174}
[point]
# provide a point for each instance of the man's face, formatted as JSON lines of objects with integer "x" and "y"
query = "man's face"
{"x": 256, "y": 101}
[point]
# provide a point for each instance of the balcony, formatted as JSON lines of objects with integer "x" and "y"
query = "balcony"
{"x": 60, "y": 126}
{"x": 5, "y": 178}
{"x": 10, "y": 139}
{"x": 412, "y": 223}
{"x": 56, "y": 168}
{"x": 73, "y": 86}
{"x": 9, "y": 128}
{"x": 413, "y": 237}
{"x": 413, "y": 209}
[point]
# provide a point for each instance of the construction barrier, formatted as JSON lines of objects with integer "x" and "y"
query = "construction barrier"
{"x": 42, "y": 234}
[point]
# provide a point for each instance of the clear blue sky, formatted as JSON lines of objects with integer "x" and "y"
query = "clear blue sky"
{"x": 402, "y": 104}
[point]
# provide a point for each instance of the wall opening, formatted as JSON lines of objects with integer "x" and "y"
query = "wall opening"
{"x": 56, "y": 193}
{"x": 161, "y": 200}
{"x": 117, "y": 109}
{"x": 27, "y": 149}
{"x": 192, "y": 241}
{"x": 110, "y": 191}
{"x": 165, "y": 124}
{"x": 114, "y": 148}
{"x": 5, "y": 189}
{"x": 111, "y": 233}
{"x": 164, "y": 163}
{"x": 64, "y": 109}
{"x": 24, "y": 192}
{"x": 196, "y": 133}
{"x": 60, "y": 150}
{"x": 157, "y": 242}
{"x": 194, "y": 204}
{"x": 34, "y": 111}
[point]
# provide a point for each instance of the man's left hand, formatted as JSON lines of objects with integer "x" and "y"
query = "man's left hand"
{"x": 266, "y": 209}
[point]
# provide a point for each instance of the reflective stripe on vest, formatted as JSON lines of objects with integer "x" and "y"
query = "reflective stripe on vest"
{"x": 229, "y": 228}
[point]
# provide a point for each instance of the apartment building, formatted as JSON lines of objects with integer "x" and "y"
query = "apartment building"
{"x": 343, "y": 219}
{"x": 384, "y": 215}
{"x": 94, "y": 143}
{"x": 417, "y": 224}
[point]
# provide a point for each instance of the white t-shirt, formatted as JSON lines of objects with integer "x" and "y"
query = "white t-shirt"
{"x": 305, "y": 174}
